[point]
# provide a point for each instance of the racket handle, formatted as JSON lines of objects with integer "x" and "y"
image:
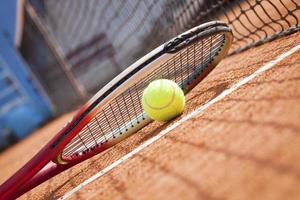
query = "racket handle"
{"x": 49, "y": 171}
{"x": 22, "y": 176}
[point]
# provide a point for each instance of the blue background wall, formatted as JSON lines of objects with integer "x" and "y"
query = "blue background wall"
{"x": 22, "y": 105}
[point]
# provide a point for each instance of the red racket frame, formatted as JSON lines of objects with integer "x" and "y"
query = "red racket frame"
{"x": 46, "y": 163}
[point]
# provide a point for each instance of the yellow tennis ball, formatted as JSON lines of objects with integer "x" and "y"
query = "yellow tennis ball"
{"x": 163, "y": 100}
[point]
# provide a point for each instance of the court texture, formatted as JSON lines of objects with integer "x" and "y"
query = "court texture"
{"x": 238, "y": 138}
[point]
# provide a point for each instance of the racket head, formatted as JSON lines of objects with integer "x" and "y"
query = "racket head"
{"x": 115, "y": 112}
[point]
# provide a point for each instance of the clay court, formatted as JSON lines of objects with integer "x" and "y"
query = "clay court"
{"x": 245, "y": 146}
{"x": 238, "y": 138}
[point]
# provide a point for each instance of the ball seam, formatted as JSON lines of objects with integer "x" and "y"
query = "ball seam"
{"x": 167, "y": 105}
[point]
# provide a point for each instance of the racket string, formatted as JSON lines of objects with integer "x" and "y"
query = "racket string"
{"x": 125, "y": 101}
{"x": 132, "y": 99}
{"x": 125, "y": 111}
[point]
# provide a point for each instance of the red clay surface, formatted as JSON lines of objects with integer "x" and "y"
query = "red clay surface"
{"x": 244, "y": 147}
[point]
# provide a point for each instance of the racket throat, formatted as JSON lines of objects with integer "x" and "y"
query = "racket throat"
{"x": 59, "y": 160}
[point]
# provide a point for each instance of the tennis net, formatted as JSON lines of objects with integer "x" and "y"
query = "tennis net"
{"x": 104, "y": 37}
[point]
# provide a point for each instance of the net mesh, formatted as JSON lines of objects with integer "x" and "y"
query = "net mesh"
{"x": 110, "y": 35}
{"x": 125, "y": 111}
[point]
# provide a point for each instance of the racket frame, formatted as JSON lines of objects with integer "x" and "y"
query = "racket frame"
{"x": 49, "y": 161}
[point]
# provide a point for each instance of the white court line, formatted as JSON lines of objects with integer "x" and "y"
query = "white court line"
{"x": 243, "y": 81}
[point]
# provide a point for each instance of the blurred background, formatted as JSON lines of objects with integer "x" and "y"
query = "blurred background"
{"x": 55, "y": 54}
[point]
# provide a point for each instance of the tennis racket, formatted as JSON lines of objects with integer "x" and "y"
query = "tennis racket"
{"x": 115, "y": 112}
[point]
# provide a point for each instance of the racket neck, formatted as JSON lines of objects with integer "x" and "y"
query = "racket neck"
{"x": 9, "y": 188}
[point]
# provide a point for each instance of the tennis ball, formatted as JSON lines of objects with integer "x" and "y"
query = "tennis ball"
{"x": 163, "y": 100}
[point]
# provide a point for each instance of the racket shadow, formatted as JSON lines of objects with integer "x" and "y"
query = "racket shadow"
{"x": 156, "y": 127}
{"x": 149, "y": 131}
{"x": 71, "y": 179}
